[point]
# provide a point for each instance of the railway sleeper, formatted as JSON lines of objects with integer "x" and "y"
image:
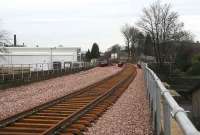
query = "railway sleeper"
{"x": 29, "y": 125}
{"x": 72, "y": 131}
{"x": 16, "y": 133}
{"x": 70, "y": 111}
{"x": 52, "y": 114}
{"x": 23, "y": 130}
{"x": 43, "y": 121}
{"x": 46, "y": 117}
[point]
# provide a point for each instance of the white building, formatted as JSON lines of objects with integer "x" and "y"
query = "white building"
{"x": 36, "y": 55}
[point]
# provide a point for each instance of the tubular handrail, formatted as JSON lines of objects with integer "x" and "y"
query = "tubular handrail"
{"x": 171, "y": 109}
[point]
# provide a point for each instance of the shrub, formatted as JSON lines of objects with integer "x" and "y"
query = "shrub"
{"x": 195, "y": 68}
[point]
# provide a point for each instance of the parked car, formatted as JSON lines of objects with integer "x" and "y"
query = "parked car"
{"x": 103, "y": 63}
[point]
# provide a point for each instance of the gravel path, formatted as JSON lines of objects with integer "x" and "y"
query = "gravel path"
{"x": 15, "y": 100}
{"x": 128, "y": 116}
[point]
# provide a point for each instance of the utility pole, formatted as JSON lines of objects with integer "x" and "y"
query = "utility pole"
{"x": 15, "y": 40}
{"x": 51, "y": 58}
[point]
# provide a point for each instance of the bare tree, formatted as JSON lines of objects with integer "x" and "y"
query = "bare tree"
{"x": 184, "y": 36}
{"x": 132, "y": 36}
{"x": 115, "y": 48}
{"x": 137, "y": 39}
{"x": 163, "y": 25}
{"x": 134, "y": 32}
{"x": 3, "y": 40}
{"x": 127, "y": 36}
{"x": 4, "y": 37}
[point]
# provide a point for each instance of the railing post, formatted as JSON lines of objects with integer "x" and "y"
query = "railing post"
{"x": 170, "y": 108}
{"x": 37, "y": 70}
{"x": 13, "y": 74}
{"x": 48, "y": 69}
{"x": 65, "y": 68}
{"x": 147, "y": 83}
{"x": 146, "y": 80}
{"x": 3, "y": 77}
{"x": 30, "y": 71}
{"x": 22, "y": 72}
{"x": 158, "y": 116}
{"x": 167, "y": 118}
{"x": 154, "y": 103}
{"x": 53, "y": 69}
{"x": 43, "y": 70}
{"x": 149, "y": 90}
{"x": 151, "y": 99}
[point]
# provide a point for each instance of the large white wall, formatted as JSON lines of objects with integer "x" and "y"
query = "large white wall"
{"x": 25, "y": 55}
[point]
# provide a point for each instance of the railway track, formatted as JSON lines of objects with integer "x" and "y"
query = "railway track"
{"x": 72, "y": 113}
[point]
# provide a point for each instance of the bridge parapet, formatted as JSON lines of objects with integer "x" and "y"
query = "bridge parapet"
{"x": 164, "y": 108}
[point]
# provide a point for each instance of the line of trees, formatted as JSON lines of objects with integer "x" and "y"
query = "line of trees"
{"x": 94, "y": 53}
{"x": 132, "y": 36}
{"x": 157, "y": 26}
{"x": 4, "y": 36}
{"x": 3, "y": 40}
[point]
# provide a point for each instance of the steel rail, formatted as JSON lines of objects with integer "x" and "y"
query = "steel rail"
{"x": 55, "y": 110}
{"x": 69, "y": 120}
{"x": 28, "y": 112}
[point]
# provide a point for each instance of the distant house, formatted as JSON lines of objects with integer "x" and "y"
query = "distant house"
{"x": 123, "y": 55}
{"x": 146, "y": 58}
{"x": 83, "y": 56}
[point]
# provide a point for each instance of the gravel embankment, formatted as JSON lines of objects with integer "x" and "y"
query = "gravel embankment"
{"x": 15, "y": 100}
{"x": 128, "y": 116}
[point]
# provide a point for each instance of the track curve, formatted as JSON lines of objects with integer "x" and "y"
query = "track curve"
{"x": 70, "y": 114}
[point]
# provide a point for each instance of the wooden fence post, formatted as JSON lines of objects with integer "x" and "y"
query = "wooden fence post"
{"x": 37, "y": 70}
{"x": 3, "y": 72}
{"x": 13, "y": 74}
{"x": 30, "y": 71}
{"x": 22, "y": 73}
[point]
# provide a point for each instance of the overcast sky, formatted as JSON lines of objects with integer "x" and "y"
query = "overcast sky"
{"x": 81, "y": 22}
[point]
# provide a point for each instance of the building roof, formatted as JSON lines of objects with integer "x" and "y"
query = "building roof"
{"x": 39, "y": 47}
{"x": 39, "y": 50}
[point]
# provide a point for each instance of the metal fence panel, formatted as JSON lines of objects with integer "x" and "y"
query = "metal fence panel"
{"x": 15, "y": 72}
{"x": 171, "y": 110}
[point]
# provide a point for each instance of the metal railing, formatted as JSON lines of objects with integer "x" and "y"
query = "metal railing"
{"x": 12, "y": 72}
{"x": 164, "y": 107}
